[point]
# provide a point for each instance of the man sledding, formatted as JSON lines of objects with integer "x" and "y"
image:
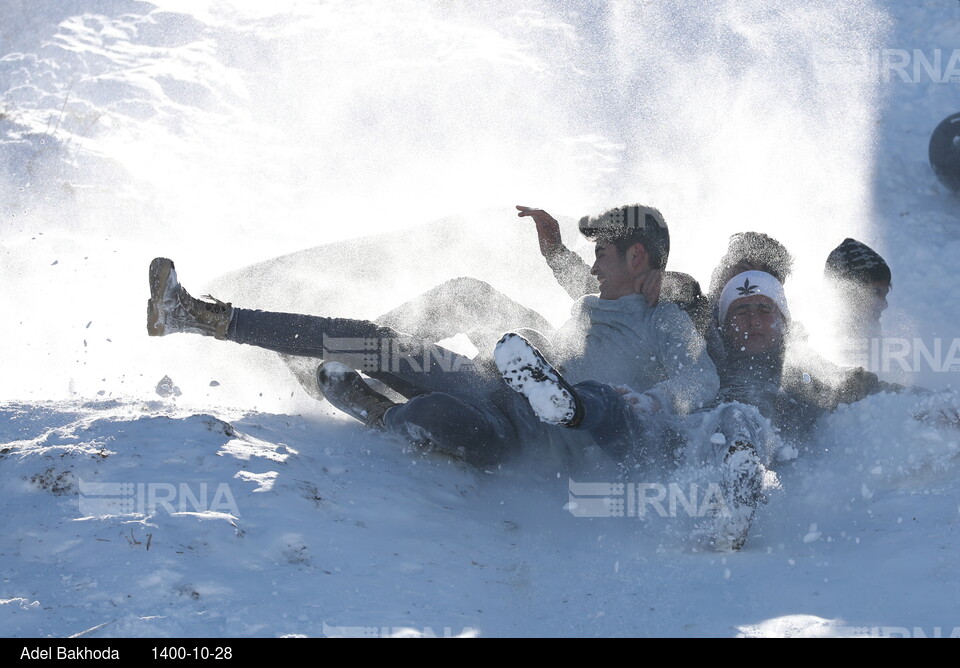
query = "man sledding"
{"x": 463, "y": 407}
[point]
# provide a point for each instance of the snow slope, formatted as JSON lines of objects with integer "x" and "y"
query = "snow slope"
{"x": 323, "y": 529}
{"x": 132, "y": 129}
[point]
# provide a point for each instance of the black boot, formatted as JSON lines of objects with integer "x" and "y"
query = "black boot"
{"x": 172, "y": 309}
{"x": 345, "y": 389}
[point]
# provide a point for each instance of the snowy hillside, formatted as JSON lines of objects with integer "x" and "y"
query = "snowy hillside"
{"x": 188, "y": 487}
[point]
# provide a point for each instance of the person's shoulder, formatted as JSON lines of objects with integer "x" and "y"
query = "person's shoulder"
{"x": 667, "y": 308}
{"x": 629, "y": 304}
{"x": 584, "y": 304}
{"x": 669, "y": 322}
{"x": 670, "y": 314}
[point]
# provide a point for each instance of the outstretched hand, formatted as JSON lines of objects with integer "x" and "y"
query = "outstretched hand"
{"x": 548, "y": 229}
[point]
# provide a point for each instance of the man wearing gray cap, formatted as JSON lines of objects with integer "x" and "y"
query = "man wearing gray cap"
{"x": 463, "y": 408}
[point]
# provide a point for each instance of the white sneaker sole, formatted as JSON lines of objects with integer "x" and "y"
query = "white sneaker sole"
{"x": 526, "y": 372}
{"x": 742, "y": 485}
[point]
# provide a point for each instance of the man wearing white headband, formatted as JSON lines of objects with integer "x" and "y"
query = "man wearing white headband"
{"x": 753, "y": 313}
{"x": 753, "y": 323}
{"x": 734, "y": 438}
{"x": 767, "y": 395}
{"x": 758, "y": 403}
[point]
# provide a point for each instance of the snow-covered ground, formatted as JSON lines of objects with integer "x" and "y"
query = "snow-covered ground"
{"x": 224, "y": 134}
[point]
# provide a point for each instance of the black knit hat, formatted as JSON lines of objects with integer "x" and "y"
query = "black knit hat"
{"x": 855, "y": 261}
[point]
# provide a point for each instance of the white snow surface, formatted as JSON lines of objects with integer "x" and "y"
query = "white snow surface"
{"x": 225, "y": 133}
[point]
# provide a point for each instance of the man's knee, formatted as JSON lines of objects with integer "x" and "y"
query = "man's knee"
{"x": 451, "y": 425}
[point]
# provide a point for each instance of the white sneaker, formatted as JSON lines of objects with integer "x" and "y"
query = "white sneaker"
{"x": 526, "y": 372}
{"x": 741, "y": 484}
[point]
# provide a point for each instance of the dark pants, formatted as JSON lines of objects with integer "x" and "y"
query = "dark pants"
{"x": 629, "y": 438}
{"x": 456, "y": 406}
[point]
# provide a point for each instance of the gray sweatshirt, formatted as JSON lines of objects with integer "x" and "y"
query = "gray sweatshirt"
{"x": 653, "y": 350}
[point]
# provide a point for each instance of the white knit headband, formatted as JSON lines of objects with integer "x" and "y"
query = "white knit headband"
{"x": 751, "y": 283}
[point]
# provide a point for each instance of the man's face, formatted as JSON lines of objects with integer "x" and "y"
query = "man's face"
{"x": 754, "y": 325}
{"x": 865, "y": 301}
{"x": 613, "y": 272}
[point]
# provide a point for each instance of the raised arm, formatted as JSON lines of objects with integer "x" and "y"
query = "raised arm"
{"x": 571, "y": 272}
